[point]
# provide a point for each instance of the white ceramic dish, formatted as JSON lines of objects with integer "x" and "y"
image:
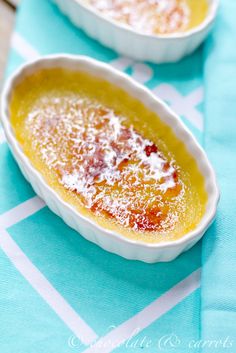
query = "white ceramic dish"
{"x": 128, "y": 42}
{"x": 109, "y": 240}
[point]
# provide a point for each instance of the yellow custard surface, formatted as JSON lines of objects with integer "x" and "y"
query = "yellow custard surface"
{"x": 107, "y": 155}
{"x": 154, "y": 17}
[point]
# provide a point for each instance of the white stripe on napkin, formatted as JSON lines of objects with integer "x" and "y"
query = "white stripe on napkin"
{"x": 22, "y": 211}
{"x": 44, "y": 288}
{"x": 183, "y": 105}
{"x": 147, "y": 316}
{"x": 23, "y": 48}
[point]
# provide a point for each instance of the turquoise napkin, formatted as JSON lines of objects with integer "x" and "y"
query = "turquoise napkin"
{"x": 219, "y": 246}
{"x": 60, "y": 293}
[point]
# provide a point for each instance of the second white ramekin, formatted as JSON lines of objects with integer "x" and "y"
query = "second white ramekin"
{"x": 128, "y": 42}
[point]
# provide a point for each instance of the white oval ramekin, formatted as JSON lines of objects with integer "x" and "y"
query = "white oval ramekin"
{"x": 128, "y": 42}
{"x": 110, "y": 240}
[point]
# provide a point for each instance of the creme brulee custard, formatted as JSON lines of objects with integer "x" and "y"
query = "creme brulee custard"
{"x": 154, "y": 17}
{"x": 107, "y": 155}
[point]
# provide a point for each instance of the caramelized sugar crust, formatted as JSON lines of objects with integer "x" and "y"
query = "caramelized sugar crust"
{"x": 154, "y": 16}
{"x": 100, "y": 159}
{"x": 115, "y": 170}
